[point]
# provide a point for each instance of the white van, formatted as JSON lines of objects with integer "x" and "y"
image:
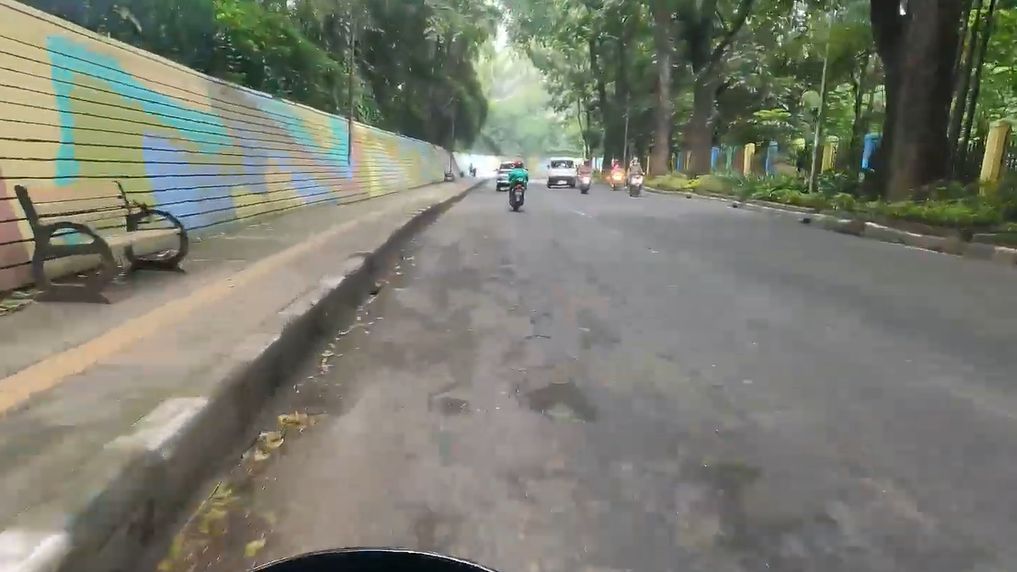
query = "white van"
{"x": 561, "y": 171}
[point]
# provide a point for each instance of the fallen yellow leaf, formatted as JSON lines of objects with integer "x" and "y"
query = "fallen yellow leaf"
{"x": 270, "y": 440}
{"x": 253, "y": 547}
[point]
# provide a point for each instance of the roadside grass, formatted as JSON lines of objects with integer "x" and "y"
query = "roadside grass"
{"x": 950, "y": 205}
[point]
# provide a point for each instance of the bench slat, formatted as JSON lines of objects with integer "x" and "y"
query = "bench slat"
{"x": 65, "y": 208}
{"x": 81, "y": 190}
{"x": 97, "y": 219}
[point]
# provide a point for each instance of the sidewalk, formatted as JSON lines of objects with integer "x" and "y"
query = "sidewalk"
{"x": 108, "y": 413}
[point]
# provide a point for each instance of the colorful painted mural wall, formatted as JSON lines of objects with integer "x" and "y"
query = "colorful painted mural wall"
{"x": 76, "y": 107}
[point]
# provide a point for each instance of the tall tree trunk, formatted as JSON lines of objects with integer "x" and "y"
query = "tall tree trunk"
{"x": 966, "y": 11}
{"x": 700, "y": 24}
{"x": 887, "y": 30}
{"x": 699, "y": 129}
{"x": 973, "y": 104}
{"x": 920, "y": 151}
{"x": 920, "y": 83}
{"x": 665, "y": 108}
{"x": 963, "y": 82}
{"x": 615, "y": 144}
{"x": 858, "y": 125}
{"x": 598, "y": 77}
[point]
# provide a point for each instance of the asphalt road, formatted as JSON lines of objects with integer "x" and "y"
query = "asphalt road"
{"x": 603, "y": 383}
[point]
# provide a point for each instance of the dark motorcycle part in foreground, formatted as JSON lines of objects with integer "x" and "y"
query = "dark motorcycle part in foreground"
{"x": 617, "y": 180}
{"x": 584, "y": 183}
{"x": 517, "y": 194}
{"x": 635, "y": 185}
{"x": 372, "y": 560}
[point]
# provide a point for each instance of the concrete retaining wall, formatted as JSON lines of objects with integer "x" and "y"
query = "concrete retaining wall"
{"x": 76, "y": 107}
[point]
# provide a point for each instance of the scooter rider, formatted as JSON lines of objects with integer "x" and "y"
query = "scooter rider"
{"x": 585, "y": 170}
{"x": 634, "y": 167}
{"x": 518, "y": 174}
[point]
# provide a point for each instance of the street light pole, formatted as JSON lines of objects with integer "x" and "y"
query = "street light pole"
{"x": 452, "y": 143}
{"x": 821, "y": 114}
{"x": 349, "y": 87}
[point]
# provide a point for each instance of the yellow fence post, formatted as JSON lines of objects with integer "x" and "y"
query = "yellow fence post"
{"x": 830, "y": 153}
{"x": 995, "y": 146}
{"x": 750, "y": 150}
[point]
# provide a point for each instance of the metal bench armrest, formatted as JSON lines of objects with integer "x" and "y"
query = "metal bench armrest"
{"x": 145, "y": 213}
{"x": 44, "y": 232}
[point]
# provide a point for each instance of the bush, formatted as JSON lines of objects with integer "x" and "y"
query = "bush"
{"x": 1003, "y": 195}
{"x": 714, "y": 184}
{"x": 955, "y": 213}
{"x": 832, "y": 183}
{"x": 678, "y": 182}
{"x": 843, "y": 202}
{"x": 672, "y": 182}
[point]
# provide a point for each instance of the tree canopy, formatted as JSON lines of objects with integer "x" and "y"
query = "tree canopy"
{"x": 616, "y": 77}
{"x": 692, "y": 74}
{"x": 413, "y": 60}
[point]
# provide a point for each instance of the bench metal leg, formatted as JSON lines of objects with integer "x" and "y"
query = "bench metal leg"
{"x": 81, "y": 289}
{"x": 171, "y": 262}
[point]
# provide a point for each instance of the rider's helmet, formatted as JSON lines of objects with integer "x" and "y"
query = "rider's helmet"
{"x": 518, "y": 164}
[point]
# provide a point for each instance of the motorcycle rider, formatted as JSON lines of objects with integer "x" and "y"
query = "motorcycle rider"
{"x": 586, "y": 170}
{"x": 635, "y": 170}
{"x": 518, "y": 174}
{"x": 634, "y": 167}
{"x": 617, "y": 173}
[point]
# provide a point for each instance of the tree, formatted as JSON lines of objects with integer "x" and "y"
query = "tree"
{"x": 663, "y": 23}
{"x": 708, "y": 35}
{"x": 917, "y": 43}
{"x": 413, "y": 70}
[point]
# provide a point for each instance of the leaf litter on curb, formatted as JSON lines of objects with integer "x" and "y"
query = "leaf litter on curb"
{"x": 252, "y": 548}
{"x": 15, "y": 300}
{"x": 220, "y": 530}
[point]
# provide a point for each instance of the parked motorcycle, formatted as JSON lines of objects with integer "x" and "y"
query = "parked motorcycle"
{"x": 635, "y": 185}
{"x": 584, "y": 183}
{"x": 517, "y": 194}
{"x": 617, "y": 180}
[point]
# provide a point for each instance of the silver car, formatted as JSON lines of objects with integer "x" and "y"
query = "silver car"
{"x": 502, "y": 183}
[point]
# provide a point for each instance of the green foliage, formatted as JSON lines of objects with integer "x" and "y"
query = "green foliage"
{"x": 413, "y": 70}
{"x": 266, "y": 51}
{"x": 521, "y": 120}
{"x": 999, "y": 75}
{"x": 843, "y": 202}
{"x": 952, "y": 213}
{"x": 838, "y": 182}
{"x": 671, "y": 182}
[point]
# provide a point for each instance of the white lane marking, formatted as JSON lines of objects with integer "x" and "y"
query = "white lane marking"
{"x": 580, "y": 213}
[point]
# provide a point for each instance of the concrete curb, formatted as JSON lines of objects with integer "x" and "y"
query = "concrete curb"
{"x": 178, "y": 444}
{"x": 1003, "y": 255}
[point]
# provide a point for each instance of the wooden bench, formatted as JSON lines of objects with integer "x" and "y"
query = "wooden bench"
{"x": 115, "y": 225}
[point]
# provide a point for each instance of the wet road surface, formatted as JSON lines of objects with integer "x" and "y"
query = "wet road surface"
{"x": 601, "y": 383}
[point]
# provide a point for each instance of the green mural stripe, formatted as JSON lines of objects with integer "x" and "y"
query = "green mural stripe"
{"x": 132, "y": 128}
{"x": 11, "y": 49}
{"x": 205, "y": 136}
{"x": 16, "y": 66}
